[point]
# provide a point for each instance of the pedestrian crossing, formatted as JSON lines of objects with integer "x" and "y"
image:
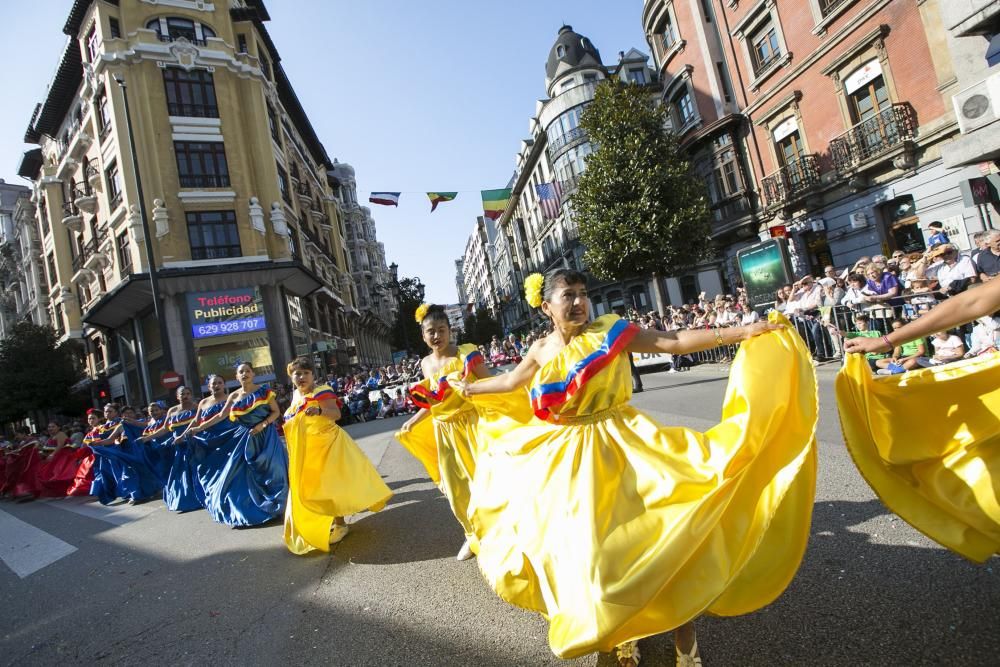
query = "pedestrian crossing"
{"x": 26, "y": 549}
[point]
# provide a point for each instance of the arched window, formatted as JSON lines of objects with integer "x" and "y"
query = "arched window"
{"x": 560, "y": 51}
{"x": 170, "y": 28}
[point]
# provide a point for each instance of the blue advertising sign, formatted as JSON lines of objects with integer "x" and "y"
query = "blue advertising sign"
{"x": 226, "y": 312}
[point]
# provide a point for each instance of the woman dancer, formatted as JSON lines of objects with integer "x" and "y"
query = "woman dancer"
{"x": 181, "y": 490}
{"x": 212, "y": 443}
{"x": 442, "y": 435}
{"x": 617, "y": 528}
{"x": 56, "y": 473}
{"x": 83, "y": 480}
{"x": 125, "y": 467}
{"x": 252, "y": 486}
{"x": 926, "y": 441}
{"x": 329, "y": 477}
{"x": 21, "y": 465}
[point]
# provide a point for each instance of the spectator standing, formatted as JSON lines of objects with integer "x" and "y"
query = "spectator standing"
{"x": 988, "y": 259}
{"x": 882, "y": 285}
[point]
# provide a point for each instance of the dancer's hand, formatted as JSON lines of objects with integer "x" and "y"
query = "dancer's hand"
{"x": 313, "y": 410}
{"x": 864, "y": 345}
{"x": 758, "y": 328}
{"x": 461, "y": 386}
{"x": 407, "y": 425}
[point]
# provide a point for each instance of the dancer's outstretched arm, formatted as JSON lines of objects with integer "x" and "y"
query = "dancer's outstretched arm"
{"x": 652, "y": 341}
{"x": 422, "y": 413}
{"x": 501, "y": 384}
{"x": 965, "y": 307}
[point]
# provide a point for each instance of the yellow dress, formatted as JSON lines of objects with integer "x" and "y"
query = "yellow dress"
{"x": 617, "y": 528}
{"x": 328, "y": 476}
{"x": 928, "y": 443}
{"x": 446, "y": 442}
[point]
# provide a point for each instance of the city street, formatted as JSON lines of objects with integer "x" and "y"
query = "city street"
{"x": 83, "y": 584}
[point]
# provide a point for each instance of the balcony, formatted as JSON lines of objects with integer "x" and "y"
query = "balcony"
{"x": 71, "y": 217}
{"x": 791, "y": 182}
{"x": 93, "y": 176}
{"x": 887, "y": 135}
{"x": 186, "y": 35}
{"x": 576, "y": 134}
{"x": 84, "y": 198}
{"x": 95, "y": 255}
{"x": 204, "y": 180}
{"x": 570, "y": 184}
{"x": 305, "y": 195}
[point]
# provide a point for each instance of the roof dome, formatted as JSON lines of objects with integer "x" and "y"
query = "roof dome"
{"x": 572, "y": 50}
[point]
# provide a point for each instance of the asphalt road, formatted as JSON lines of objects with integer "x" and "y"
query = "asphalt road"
{"x": 84, "y": 584}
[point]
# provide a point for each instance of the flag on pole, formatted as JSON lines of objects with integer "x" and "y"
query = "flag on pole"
{"x": 495, "y": 202}
{"x": 385, "y": 198}
{"x": 438, "y": 197}
{"x": 550, "y": 197}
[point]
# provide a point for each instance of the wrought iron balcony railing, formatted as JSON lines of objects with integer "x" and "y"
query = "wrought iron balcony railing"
{"x": 568, "y": 138}
{"x": 791, "y": 181}
{"x": 871, "y": 137}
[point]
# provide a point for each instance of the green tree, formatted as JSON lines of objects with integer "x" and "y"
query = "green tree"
{"x": 36, "y": 373}
{"x": 639, "y": 208}
{"x": 480, "y": 327}
{"x": 406, "y": 331}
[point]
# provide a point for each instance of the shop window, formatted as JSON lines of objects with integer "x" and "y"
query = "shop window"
{"x": 213, "y": 234}
{"x": 903, "y": 225}
{"x": 202, "y": 164}
{"x": 190, "y": 93}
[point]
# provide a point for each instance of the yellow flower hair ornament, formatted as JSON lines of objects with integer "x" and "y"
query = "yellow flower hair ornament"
{"x": 421, "y": 312}
{"x": 533, "y": 289}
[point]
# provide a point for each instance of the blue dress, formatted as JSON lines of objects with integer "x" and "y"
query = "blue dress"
{"x": 126, "y": 470}
{"x": 183, "y": 491}
{"x": 251, "y": 486}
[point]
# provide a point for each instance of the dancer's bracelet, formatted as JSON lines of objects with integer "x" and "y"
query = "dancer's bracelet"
{"x": 719, "y": 340}
{"x": 885, "y": 339}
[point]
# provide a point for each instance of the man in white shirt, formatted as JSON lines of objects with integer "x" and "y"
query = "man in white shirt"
{"x": 807, "y": 295}
{"x": 952, "y": 275}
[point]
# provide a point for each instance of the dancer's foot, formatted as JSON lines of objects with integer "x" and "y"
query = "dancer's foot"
{"x": 465, "y": 553}
{"x": 338, "y": 532}
{"x": 691, "y": 658}
{"x": 627, "y": 654}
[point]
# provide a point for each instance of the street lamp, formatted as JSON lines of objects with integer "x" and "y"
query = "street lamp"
{"x": 148, "y": 242}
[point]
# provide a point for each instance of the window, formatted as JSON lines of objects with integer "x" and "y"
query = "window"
{"x": 272, "y": 123}
{"x": 868, "y": 100}
{"x": 93, "y": 43}
{"x": 50, "y": 262}
{"x": 565, "y": 129}
{"x": 683, "y": 107}
{"x": 213, "y": 234}
{"x": 202, "y": 164}
{"x": 560, "y": 51}
{"x": 174, "y": 27}
{"x": 114, "y": 180}
{"x": 124, "y": 250}
{"x": 669, "y": 32}
{"x": 826, "y": 7}
{"x": 637, "y": 75}
{"x": 114, "y": 28}
{"x": 241, "y": 43}
{"x": 265, "y": 64}
{"x": 706, "y": 8}
{"x": 286, "y": 192}
{"x": 103, "y": 114}
{"x": 727, "y": 94}
{"x": 190, "y": 93}
{"x": 766, "y": 49}
{"x": 589, "y": 77}
{"x": 790, "y": 149}
{"x": 567, "y": 84}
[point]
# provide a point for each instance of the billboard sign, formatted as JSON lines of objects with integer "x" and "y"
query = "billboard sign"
{"x": 765, "y": 268}
{"x": 226, "y": 312}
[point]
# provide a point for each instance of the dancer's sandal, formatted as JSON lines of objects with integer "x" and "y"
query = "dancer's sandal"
{"x": 338, "y": 532}
{"x": 691, "y": 659}
{"x": 628, "y": 654}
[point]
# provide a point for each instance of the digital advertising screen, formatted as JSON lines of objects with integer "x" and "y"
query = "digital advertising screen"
{"x": 764, "y": 267}
{"x": 226, "y": 312}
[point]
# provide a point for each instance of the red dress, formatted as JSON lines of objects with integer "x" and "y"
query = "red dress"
{"x": 84, "y": 476}
{"x": 20, "y": 472}
{"x": 57, "y": 473}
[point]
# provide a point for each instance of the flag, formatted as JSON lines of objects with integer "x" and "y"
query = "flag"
{"x": 385, "y": 198}
{"x": 495, "y": 202}
{"x": 550, "y": 197}
{"x": 438, "y": 197}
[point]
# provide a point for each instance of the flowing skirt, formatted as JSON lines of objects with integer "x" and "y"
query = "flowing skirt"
{"x": 928, "y": 443}
{"x": 83, "y": 479}
{"x": 250, "y": 486}
{"x": 124, "y": 471}
{"x": 616, "y": 528}
{"x": 182, "y": 491}
{"x": 20, "y": 474}
{"x": 57, "y": 474}
{"x": 329, "y": 476}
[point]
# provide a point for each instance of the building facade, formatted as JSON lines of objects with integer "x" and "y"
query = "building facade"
{"x": 23, "y": 292}
{"x": 555, "y": 153}
{"x": 823, "y": 120}
{"x": 247, "y": 239}
{"x": 376, "y": 301}
{"x": 477, "y": 270}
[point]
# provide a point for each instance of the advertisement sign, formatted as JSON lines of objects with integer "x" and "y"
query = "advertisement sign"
{"x": 764, "y": 268}
{"x": 221, "y": 359}
{"x": 226, "y": 312}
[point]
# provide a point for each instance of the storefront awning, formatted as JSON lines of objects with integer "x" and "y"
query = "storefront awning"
{"x": 134, "y": 295}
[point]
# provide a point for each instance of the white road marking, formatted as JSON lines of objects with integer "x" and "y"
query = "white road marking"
{"x": 26, "y": 549}
{"x": 117, "y": 515}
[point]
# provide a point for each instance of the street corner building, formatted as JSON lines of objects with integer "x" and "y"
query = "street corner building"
{"x": 245, "y": 217}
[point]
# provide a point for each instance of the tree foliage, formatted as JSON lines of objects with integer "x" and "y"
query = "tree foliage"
{"x": 37, "y": 374}
{"x": 639, "y": 208}
{"x": 480, "y": 327}
{"x": 406, "y": 331}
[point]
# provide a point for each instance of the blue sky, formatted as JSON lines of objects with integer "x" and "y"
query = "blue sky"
{"x": 417, "y": 96}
